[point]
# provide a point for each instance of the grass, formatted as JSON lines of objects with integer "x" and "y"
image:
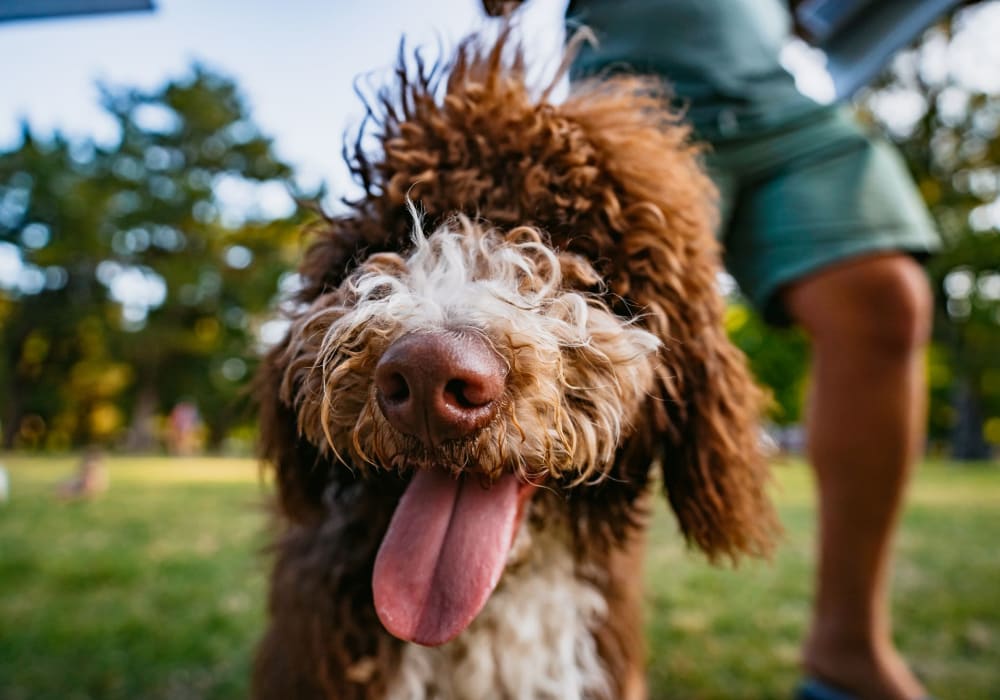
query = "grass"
{"x": 153, "y": 591}
{"x": 724, "y": 633}
{"x": 156, "y": 589}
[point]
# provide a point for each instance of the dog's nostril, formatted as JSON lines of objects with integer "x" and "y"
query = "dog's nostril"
{"x": 466, "y": 394}
{"x": 394, "y": 387}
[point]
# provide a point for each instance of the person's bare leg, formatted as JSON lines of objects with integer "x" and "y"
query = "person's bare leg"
{"x": 869, "y": 321}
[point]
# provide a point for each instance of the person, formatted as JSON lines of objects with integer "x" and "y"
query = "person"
{"x": 90, "y": 479}
{"x": 821, "y": 226}
{"x": 182, "y": 435}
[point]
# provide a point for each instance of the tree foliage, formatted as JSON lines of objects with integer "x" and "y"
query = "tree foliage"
{"x": 135, "y": 276}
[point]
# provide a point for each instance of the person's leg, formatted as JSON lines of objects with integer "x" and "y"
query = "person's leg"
{"x": 869, "y": 320}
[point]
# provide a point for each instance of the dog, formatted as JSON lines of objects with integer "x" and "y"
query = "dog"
{"x": 465, "y": 416}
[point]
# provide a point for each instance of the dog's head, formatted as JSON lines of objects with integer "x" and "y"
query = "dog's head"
{"x": 475, "y": 362}
{"x": 560, "y": 328}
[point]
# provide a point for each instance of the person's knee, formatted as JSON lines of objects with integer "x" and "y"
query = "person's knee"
{"x": 902, "y": 305}
{"x": 882, "y": 302}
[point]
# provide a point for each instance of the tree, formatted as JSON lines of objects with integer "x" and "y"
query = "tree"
{"x": 50, "y": 213}
{"x": 138, "y": 282}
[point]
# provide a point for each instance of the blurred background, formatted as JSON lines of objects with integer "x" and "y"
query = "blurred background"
{"x": 151, "y": 161}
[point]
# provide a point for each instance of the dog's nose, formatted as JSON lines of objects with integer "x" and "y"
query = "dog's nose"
{"x": 439, "y": 386}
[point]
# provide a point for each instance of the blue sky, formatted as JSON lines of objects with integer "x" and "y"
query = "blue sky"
{"x": 295, "y": 60}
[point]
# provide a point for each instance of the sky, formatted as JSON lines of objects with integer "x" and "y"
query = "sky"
{"x": 295, "y": 60}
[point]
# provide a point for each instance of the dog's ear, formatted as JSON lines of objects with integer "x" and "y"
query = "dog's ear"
{"x": 301, "y": 470}
{"x": 654, "y": 222}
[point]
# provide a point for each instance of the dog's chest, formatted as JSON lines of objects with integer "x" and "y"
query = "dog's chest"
{"x": 533, "y": 641}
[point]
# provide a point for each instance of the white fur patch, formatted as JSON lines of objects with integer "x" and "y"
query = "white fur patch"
{"x": 533, "y": 640}
{"x": 460, "y": 277}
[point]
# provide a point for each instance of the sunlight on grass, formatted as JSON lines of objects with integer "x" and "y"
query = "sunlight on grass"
{"x": 38, "y": 470}
{"x": 156, "y": 589}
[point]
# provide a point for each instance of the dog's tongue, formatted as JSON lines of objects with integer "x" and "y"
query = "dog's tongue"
{"x": 443, "y": 554}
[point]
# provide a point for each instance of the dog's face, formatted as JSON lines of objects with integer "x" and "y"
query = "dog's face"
{"x": 476, "y": 363}
{"x": 524, "y": 373}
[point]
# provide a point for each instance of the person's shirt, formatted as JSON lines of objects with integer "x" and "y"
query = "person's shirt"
{"x": 721, "y": 58}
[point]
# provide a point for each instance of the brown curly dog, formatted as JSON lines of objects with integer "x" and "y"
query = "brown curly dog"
{"x": 468, "y": 406}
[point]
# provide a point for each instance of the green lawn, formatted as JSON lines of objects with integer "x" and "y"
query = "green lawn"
{"x": 155, "y": 590}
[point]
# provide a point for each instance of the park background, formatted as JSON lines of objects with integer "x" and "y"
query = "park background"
{"x": 150, "y": 165}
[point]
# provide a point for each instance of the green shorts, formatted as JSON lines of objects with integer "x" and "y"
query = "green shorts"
{"x": 816, "y": 192}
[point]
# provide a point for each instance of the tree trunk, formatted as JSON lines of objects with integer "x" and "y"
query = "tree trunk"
{"x": 11, "y": 417}
{"x": 218, "y": 426}
{"x": 141, "y": 435}
{"x": 967, "y": 440}
{"x": 13, "y": 409}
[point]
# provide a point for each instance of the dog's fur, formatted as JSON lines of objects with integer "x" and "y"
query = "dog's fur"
{"x": 576, "y": 239}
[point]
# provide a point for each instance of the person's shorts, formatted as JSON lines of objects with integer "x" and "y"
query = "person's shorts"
{"x": 815, "y": 193}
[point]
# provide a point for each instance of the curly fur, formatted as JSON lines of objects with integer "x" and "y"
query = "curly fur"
{"x": 573, "y": 365}
{"x": 577, "y": 240}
